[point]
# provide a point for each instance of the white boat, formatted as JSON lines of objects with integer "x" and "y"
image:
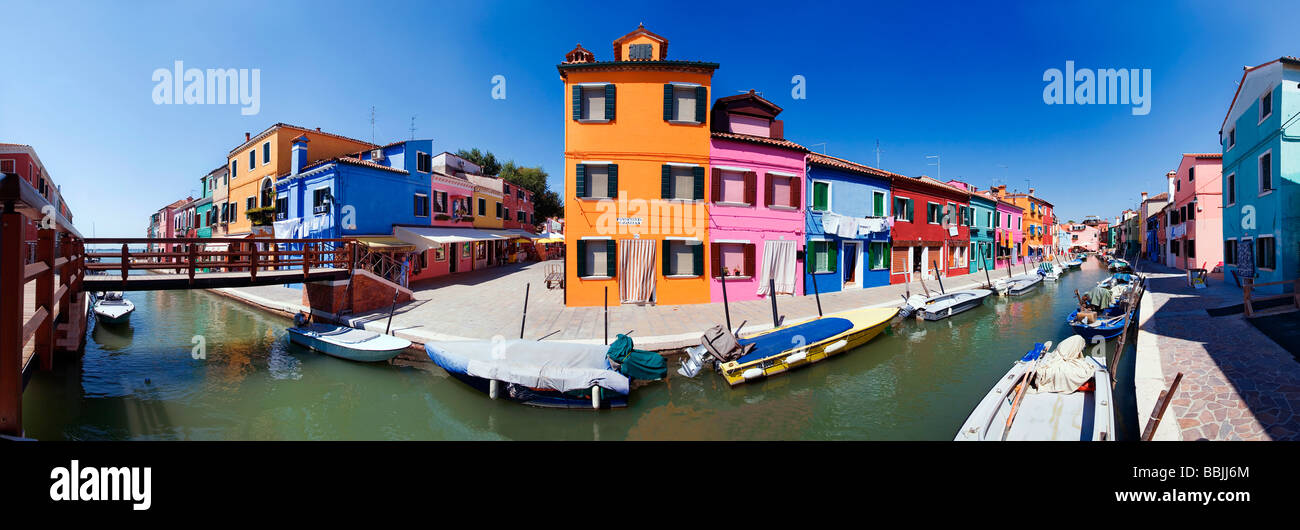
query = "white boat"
{"x": 945, "y": 305}
{"x": 1017, "y": 285}
{"x": 1069, "y": 398}
{"x": 348, "y": 343}
{"x": 111, "y": 308}
{"x": 1050, "y": 271}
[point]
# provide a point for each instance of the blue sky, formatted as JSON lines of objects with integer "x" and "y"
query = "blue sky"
{"x": 961, "y": 81}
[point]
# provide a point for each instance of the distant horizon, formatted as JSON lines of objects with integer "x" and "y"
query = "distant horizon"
{"x": 972, "y": 90}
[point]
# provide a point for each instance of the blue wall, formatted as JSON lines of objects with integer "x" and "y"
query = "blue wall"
{"x": 851, "y": 195}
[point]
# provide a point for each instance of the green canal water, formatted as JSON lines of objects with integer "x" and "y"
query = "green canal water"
{"x": 143, "y": 382}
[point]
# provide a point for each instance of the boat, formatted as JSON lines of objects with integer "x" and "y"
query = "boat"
{"x": 1049, "y": 271}
{"x": 1074, "y": 264}
{"x": 549, "y": 374}
{"x": 111, "y": 308}
{"x": 1017, "y": 285}
{"x": 1105, "y": 309}
{"x": 772, "y": 352}
{"x": 946, "y": 305}
{"x": 1119, "y": 265}
{"x": 347, "y": 343}
{"x": 1107, "y": 324}
{"x": 1047, "y": 395}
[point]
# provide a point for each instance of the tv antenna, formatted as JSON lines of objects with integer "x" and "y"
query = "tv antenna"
{"x": 412, "y": 128}
{"x": 823, "y": 144}
{"x": 878, "y": 151}
{"x": 938, "y": 163}
{"x": 372, "y": 124}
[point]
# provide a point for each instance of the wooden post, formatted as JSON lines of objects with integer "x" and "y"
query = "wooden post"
{"x": 252, "y": 260}
{"x": 817, "y": 295}
{"x": 726, "y": 306}
{"x": 306, "y": 260}
{"x": 125, "y": 265}
{"x": 1245, "y": 291}
{"x": 607, "y": 315}
{"x": 1162, "y": 403}
{"x": 44, "y": 338}
{"x": 11, "y": 322}
{"x": 194, "y": 260}
{"x": 524, "y": 319}
{"x": 771, "y": 288}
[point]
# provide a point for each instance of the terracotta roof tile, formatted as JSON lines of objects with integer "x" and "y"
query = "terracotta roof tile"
{"x": 763, "y": 140}
{"x": 840, "y": 163}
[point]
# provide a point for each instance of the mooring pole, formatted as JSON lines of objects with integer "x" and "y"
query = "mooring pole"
{"x": 771, "y": 294}
{"x": 524, "y": 320}
{"x": 817, "y": 295}
{"x": 938, "y": 277}
{"x": 607, "y": 315}
{"x": 985, "y": 265}
{"x": 390, "y": 312}
{"x": 726, "y": 310}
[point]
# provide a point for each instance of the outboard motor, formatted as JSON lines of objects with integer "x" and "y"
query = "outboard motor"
{"x": 697, "y": 357}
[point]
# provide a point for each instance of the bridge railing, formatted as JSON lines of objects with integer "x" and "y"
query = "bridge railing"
{"x": 249, "y": 255}
{"x": 57, "y": 274}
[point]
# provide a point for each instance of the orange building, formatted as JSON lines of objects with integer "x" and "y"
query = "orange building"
{"x": 1038, "y": 222}
{"x": 255, "y": 165}
{"x": 636, "y": 156}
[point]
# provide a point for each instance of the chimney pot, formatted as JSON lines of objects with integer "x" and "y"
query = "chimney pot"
{"x": 248, "y": 136}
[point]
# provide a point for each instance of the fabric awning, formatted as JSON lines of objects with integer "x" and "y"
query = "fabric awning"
{"x": 386, "y": 244}
{"x": 216, "y": 247}
{"x": 426, "y": 237}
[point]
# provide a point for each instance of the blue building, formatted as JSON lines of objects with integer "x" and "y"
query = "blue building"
{"x": 359, "y": 196}
{"x": 847, "y": 222}
{"x": 1261, "y": 170}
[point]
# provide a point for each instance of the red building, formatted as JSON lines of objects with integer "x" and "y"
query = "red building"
{"x": 21, "y": 160}
{"x": 931, "y": 229}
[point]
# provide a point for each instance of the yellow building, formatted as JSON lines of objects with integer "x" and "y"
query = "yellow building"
{"x": 636, "y": 154}
{"x": 255, "y": 165}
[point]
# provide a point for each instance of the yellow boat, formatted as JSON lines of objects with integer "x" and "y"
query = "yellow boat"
{"x": 782, "y": 349}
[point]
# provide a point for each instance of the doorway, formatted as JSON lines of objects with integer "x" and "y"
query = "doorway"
{"x": 852, "y": 253}
{"x": 453, "y": 258}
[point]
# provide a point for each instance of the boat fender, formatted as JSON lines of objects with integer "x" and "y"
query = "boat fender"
{"x": 752, "y": 373}
{"x": 796, "y": 357}
{"x": 595, "y": 397}
{"x": 493, "y": 388}
{"x": 837, "y": 345}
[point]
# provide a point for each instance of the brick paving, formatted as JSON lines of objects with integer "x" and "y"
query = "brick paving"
{"x": 1237, "y": 383}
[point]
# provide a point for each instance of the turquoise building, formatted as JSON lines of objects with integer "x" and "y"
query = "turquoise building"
{"x": 204, "y": 217}
{"x": 982, "y": 212}
{"x": 1261, "y": 170}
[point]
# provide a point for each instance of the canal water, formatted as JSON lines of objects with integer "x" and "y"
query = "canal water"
{"x": 150, "y": 380}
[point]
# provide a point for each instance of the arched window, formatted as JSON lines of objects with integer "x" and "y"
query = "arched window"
{"x": 268, "y": 193}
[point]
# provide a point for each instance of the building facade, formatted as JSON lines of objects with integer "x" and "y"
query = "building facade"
{"x": 1198, "y": 235}
{"x": 929, "y": 238}
{"x": 1037, "y": 217}
{"x": 1008, "y": 239}
{"x": 983, "y": 209}
{"x": 21, "y": 160}
{"x": 848, "y": 225}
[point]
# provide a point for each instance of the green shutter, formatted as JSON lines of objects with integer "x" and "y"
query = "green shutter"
{"x": 581, "y": 173}
{"x": 701, "y": 104}
{"x": 699, "y": 182}
{"x": 582, "y": 258}
{"x": 668, "y": 102}
{"x": 577, "y": 102}
{"x": 810, "y": 256}
{"x": 611, "y": 258}
{"x": 878, "y": 203}
{"x": 698, "y": 250}
{"x": 820, "y": 191}
{"x": 666, "y": 182}
{"x": 665, "y": 259}
{"x": 833, "y": 255}
{"x": 612, "y": 169}
{"x": 609, "y": 101}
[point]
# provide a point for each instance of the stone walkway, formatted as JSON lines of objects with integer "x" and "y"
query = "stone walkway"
{"x": 483, "y": 304}
{"x": 1237, "y": 383}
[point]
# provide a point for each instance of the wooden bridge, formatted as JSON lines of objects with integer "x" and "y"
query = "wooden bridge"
{"x": 44, "y": 302}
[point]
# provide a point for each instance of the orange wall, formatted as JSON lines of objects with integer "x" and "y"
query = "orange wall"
{"x": 247, "y": 183}
{"x": 640, "y": 141}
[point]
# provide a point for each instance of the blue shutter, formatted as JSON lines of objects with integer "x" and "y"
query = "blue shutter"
{"x": 581, "y": 177}
{"x": 701, "y": 103}
{"x": 698, "y": 251}
{"x": 577, "y": 102}
{"x": 612, "y": 169}
{"x": 699, "y": 182}
{"x": 668, "y": 102}
{"x": 666, "y": 182}
{"x": 611, "y": 258}
{"x": 582, "y": 258}
{"x": 666, "y": 261}
{"x": 609, "y": 101}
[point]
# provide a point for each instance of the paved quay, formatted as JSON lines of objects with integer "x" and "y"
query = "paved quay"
{"x": 487, "y": 303}
{"x": 1237, "y": 383}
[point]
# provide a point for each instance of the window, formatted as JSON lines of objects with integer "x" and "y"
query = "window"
{"x": 878, "y": 203}
{"x": 1173, "y": 247}
{"x": 7, "y": 166}
{"x": 234, "y": 207}
{"x": 519, "y": 194}
{"x": 440, "y": 253}
{"x": 733, "y": 260}
{"x": 1191, "y": 248}
{"x": 1266, "y": 105}
{"x": 782, "y": 191}
{"x": 464, "y": 251}
{"x": 1231, "y": 188}
{"x": 1191, "y": 174}
{"x": 506, "y": 189}
{"x": 821, "y": 199}
{"x": 988, "y": 219}
{"x": 521, "y": 216}
{"x": 596, "y": 258}
{"x": 1018, "y": 226}
{"x": 1230, "y": 252}
{"x": 440, "y": 202}
{"x": 1232, "y": 138}
{"x": 1178, "y": 184}
{"x": 266, "y": 153}
{"x": 252, "y": 160}
{"x": 1191, "y": 210}
{"x": 878, "y": 256}
{"x": 281, "y": 208}
{"x": 498, "y": 210}
{"x": 421, "y": 205}
{"x": 597, "y": 181}
{"x": 234, "y": 169}
{"x": 268, "y": 193}
{"x": 249, "y": 204}
{"x": 482, "y": 207}
{"x": 593, "y": 102}
{"x": 933, "y": 213}
{"x": 682, "y": 182}
{"x": 506, "y": 215}
{"x": 1266, "y": 172}
{"x": 1265, "y": 248}
{"x": 423, "y": 162}
{"x": 685, "y": 103}
{"x": 320, "y": 200}
{"x": 822, "y": 257}
{"x": 902, "y": 209}
{"x": 683, "y": 258}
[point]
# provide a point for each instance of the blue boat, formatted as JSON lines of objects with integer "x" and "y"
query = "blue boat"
{"x": 1108, "y": 325}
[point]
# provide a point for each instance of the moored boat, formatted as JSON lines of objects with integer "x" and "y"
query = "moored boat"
{"x": 945, "y": 305}
{"x": 1017, "y": 285}
{"x": 1047, "y": 395}
{"x": 348, "y": 343}
{"x": 111, "y": 308}
{"x": 1049, "y": 271}
{"x": 778, "y": 350}
{"x": 1075, "y": 264}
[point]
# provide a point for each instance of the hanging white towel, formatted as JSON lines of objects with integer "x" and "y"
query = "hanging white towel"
{"x": 870, "y": 226}
{"x": 830, "y": 223}
{"x": 287, "y": 229}
{"x": 848, "y": 227}
{"x": 779, "y": 264}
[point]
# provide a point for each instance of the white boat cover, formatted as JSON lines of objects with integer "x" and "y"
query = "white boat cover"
{"x": 555, "y": 365}
{"x": 1064, "y": 369}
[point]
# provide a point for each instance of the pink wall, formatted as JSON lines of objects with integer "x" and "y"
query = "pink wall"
{"x": 442, "y": 268}
{"x": 1206, "y": 230}
{"x": 756, "y": 223}
{"x": 1014, "y": 230}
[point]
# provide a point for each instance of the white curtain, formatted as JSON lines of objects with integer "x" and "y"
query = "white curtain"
{"x": 779, "y": 263}
{"x": 636, "y": 261}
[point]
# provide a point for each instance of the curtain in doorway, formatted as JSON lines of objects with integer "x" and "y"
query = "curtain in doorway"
{"x": 636, "y": 273}
{"x": 779, "y": 264}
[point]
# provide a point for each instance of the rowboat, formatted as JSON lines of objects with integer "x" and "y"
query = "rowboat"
{"x": 1049, "y": 271}
{"x": 548, "y": 374}
{"x": 1068, "y": 397}
{"x": 946, "y": 305}
{"x": 1017, "y": 285}
{"x": 1119, "y": 265}
{"x": 781, "y": 349}
{"x": 111, "y": 308}
{"x": 1109, "y": 304}
{"x": 1074, "y": 264}
{"x": 1108, "y": 324}
{"x": 347, "y": 343}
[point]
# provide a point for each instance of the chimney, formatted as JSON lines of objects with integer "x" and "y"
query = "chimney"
{"x": 778, "y": 130}
{"x": 1031, "y": 191}
{"x": 298, "y": 156}
{"x": 248, "y": 136}
{"x": 1144, "y": 196}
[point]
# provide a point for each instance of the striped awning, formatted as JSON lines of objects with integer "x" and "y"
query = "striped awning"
{"x": 386, "y": 244}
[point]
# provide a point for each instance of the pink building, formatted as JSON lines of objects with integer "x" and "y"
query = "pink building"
{"x": 1196, "y": 217}
{"x": 1010, "y": 237}
{"x": 756, "y": 219}
{"x": 450, "y": 200}
{"x": 1081, "y": 237}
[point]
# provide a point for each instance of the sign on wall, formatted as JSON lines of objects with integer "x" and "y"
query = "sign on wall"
{"x": 1246, "y": 259}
